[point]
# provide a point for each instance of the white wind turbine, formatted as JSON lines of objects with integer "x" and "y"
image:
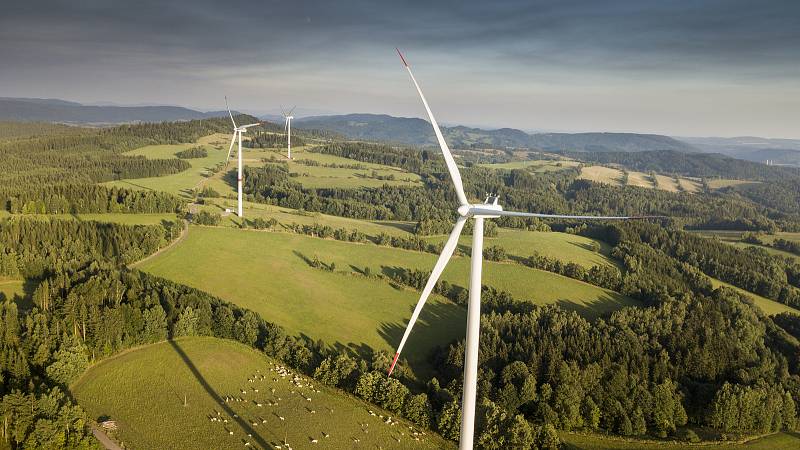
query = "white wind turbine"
{"x": 287, "y": 127}
{"x": 237, "y": 131}
{"x": 490, "y": 209}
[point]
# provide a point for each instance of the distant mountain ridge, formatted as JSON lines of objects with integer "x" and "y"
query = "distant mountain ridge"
{"x": 416, "y": 131}
{"x": 54, "y": 110}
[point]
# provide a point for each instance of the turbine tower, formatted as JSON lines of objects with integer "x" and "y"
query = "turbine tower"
{"x": 489, "y": 209}
{"x": 287, "y": 127}
{"x": 237, "y": 132}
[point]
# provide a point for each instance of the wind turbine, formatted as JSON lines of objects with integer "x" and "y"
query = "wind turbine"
{"x": 237, "y": 131}
{"x": 489, "y": 209}
{"x": 287, "y": 127}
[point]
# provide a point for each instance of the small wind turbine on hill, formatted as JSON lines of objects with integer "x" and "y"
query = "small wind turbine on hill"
{"x": 287, "y": 127}
{"x": 237, "y": 132}
{"x": 489, "y": 209}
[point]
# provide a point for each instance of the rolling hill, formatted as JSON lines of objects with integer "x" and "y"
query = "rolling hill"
{"x": 416, "y": 131}
{"x": 54, "y": 110}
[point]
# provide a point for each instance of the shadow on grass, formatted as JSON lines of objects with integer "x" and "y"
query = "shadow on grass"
{"x": 218, "y": 399}
{"x": 439, "y": 325}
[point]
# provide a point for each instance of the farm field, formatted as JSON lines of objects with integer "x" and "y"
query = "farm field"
{"x": 723, "y": 183}
{"x": 640, "y": 179}
{"x": 575, "y": 441}
{"x": 144, "y": 391}
{"x": 602, "y": 174}
{"x": 232, "y": 264}
{"x": 180, "y": 183}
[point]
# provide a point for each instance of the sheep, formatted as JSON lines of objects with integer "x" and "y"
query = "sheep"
{"x": 313, "y": 441}
{"x": 281, "y": 417}
{"x": 325, "y": 435}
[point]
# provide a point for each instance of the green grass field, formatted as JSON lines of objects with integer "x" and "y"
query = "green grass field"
{"x": 723, "y": 183}
{"x": 288, "y": 216}
{"x": 144, "y": 390}
{"x": 770, "y": 307}
{"x": 575, "y": 441}
{"x": 535, "y": 165}
{"x": 268, "y": 273}
{"x": 180, "y": 183}
{"x": 10, "y": 288}
{"x": 564, "y": 246}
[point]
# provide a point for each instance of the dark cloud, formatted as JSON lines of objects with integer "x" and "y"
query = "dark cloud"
{"x": 184, "y": 42}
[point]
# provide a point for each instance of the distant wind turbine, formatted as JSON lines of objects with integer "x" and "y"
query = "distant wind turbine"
{"x": 237, "y": 131}
{"x": 287, "y": 127}
{"x": 489, "y": 209}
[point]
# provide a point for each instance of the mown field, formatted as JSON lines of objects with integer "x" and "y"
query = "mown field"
{"x": 165, "y": 396}
{"x": 614, "y": 176}
{"x": 269, "y": 273}
{"x": 778, "y": 441}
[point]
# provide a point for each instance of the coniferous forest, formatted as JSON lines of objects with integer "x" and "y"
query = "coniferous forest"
{"x": 692, "y": 355}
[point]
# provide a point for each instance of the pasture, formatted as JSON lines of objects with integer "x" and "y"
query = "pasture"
{"x": 563, "y": 246}
{"x": 269, "y": 272}
{"x": 173, "y": 395}
{"x": 180, "y": 183}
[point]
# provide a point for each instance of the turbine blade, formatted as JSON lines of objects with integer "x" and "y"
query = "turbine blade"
{"x": 251, "y": 125}
{"x": 233, "y": 139}
{"x": 448, "y": 157}
{"x": 447, "y": 253}
{"x": 229, "y": 111}
{"x": 491, "y": 212}
{"x": 291, "y": 110}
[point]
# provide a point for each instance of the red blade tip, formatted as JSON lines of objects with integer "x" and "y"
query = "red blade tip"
{"x": 394, "y": 361}
{"x": 401, "y": 57}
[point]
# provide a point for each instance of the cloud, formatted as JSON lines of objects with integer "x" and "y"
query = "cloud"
{"x": 175, "y": 48}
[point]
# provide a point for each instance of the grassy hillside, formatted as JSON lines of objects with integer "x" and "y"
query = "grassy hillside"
{"x": 165, "y": 396}
{"x": 180, "y": 183}
{"x": 268, "y": 272}
{"x": 522, "y": 244}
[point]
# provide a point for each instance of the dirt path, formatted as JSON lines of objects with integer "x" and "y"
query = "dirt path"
{"x": 104, "y": 440}
{"x": 184, "y": 233}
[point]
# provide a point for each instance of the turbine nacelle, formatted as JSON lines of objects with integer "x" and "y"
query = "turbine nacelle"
{"x": 481, "y": 209}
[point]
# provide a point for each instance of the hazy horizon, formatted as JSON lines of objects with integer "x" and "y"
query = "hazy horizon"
{"x": 686, "y": 68}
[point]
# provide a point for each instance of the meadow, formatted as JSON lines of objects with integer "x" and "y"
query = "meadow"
{"x": 11, "y": 288}
{"x": 269, "y": 272}
{"x": 769, "y": 307}
{"x": 172, "y": 395}
{"x": 563, "y": 246}
{"x": 182, "y": 183}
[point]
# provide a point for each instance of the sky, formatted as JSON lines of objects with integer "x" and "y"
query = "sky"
{"x": 679, "y": 67}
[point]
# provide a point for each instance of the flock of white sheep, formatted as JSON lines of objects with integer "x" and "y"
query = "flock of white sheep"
{"x": 301, "y": 390}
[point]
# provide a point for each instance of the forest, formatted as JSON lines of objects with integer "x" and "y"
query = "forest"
{"x": 691, "y": 355}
